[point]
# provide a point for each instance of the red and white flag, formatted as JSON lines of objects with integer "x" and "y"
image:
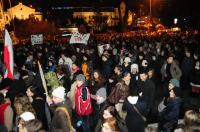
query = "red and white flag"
{"x": 8, "y": 56}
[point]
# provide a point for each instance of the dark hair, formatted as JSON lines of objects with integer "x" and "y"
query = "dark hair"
{"x": 125, "y": 74}
{"x": 37, "y": 92}
{"x": 2, "y": 98}
{"x": 112, "y": 110}
{"x": 100, "y": 79}
{"x": 1, "y": 73}
{"x": 118, "y": 67}
{"x": 170, "y": 55}
{"x": 176, "y": 91}
{"x": 143, "y": 70}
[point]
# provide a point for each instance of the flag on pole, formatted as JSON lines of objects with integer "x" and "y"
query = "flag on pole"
{"x": 8, "y": 56}
{"x": 43, "y": 79}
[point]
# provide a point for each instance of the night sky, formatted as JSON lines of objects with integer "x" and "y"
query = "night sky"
{"x": 167, "y": 10}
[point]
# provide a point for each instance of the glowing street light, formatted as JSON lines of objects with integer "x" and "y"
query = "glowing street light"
{"x": 175, "y": 21}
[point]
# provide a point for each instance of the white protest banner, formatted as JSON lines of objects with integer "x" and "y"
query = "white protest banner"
{"x": 37, "y": 39}
{"x": 79, "y": 38}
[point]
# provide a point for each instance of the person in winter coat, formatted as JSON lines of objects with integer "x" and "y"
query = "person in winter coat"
{"x": 195, "y": 78}
{"x": 126, "y": 65}
{"x": 114, "y": 79}
{"x": 96, "y": 81}
{"x": 37, "y": 100}
{"x": 168, "y": 117}
{"x": 186, "y": 67}
{"x": 121, "y": 90}
{"x": 115, "y": 57}
{"x": 134, "y": 76}
{"x": 106, "y": 67}
{"x": 62, "y": 120}
{"x": 146, "y": 89}
{"x": 135, "y": 109}
{"x": 65, "y": 61}
{"x": 63, "y": 77}
{"x": 6, "y": 113}
{"x": 83, "y": 106}
{"x": 170, "y": 69}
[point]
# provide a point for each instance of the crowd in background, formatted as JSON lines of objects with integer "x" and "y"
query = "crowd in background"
{"x": 136, "y": 80}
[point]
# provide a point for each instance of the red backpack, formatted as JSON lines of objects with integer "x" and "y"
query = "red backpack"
{"x": 82, "y": 107}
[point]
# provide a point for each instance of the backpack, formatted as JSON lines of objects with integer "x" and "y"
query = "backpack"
{"x": 82, "y": 107}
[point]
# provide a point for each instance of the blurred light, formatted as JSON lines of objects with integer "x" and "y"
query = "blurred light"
{"x": 175, "y": 20}
{"x": 65, "y": 35}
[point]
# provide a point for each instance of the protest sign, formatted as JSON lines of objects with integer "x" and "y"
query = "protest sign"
{"x": 78, "y": 38}
{"x": 37, "y": 39}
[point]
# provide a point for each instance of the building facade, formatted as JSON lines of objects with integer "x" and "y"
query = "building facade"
{"x": 112, "y": 16}
{"x": 20, "y": 12}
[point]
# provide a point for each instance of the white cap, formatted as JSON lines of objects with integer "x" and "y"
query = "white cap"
{"x": 59, "y": 92}
{"x": 27, "y": 116}
{"x": 127, "y": 60}
{"x": 144, "y": 63}
{"x": 134, "y": 66}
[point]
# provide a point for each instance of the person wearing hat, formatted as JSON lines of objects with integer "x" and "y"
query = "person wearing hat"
{"x": 101, "y": 96}
{"x": 134, "y": 76}
{"x": 83, "y": 106}
{"x": 168, "y": 117}
{"x": 135, "y": 108}
{"x": 174, "y": 83}
{"x": 28, "y": 123}
{"x": 23, "y": 118}
{"x": 62, "y": 116}
{"x": 126, "y": 65}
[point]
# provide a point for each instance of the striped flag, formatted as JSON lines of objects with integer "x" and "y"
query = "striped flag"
{"x": 8, "y": 56}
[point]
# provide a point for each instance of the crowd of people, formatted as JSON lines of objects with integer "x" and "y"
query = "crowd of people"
{"x": 136, "y": 80}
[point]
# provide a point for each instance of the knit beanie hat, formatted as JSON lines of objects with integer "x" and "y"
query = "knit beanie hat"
{"x": 102, "y": 93}
{"x": 80, "y": 77}
{"x": 59, "y": 92}
{"x": 175, "y": 82}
